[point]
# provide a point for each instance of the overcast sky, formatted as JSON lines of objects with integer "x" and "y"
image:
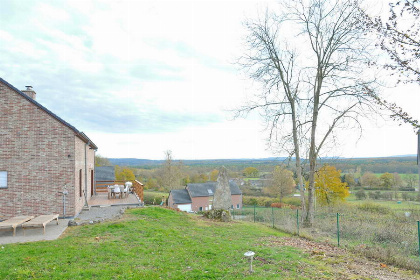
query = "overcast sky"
{"x": 142, "y": 77}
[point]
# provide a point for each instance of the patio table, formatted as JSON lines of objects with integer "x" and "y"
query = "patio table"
{"x": 113, "y": 193}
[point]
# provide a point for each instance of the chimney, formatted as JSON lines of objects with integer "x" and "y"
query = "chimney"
{"x": 29, "y": 92}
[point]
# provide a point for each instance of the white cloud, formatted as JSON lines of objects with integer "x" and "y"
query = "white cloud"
{"x": 147, "y": 76}
{"x": 219, "y": 140}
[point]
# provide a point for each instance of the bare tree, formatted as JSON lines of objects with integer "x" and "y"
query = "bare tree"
{"x": 273, "y": 64}
{"x": 310, "y": 59}
{"x": 398, "y": 36}
{"x": 170, "y": 173}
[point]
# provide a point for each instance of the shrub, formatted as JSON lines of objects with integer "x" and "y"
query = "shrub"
{"x": 407, "y": 189}
{"x": 283, "y": 205}
{"x": 360, "y": 195}
{"x": 259, "y": 201}
{"x": 411, "y": 197}
{"x": 372, "y": 195}
{"x": 220, "y": 215}
{"x": 292, "y": 201}
{"x": 266, "y": 201}
{"x": 374, "y": 208}
{"x": 386, "y": 195}
{"x": 152, "y": 198}
{"x": 385, "y": 236}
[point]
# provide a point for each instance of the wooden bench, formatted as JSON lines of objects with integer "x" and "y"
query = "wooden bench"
{"x": 14, "y": 222}
{"x": 40, "y": 221}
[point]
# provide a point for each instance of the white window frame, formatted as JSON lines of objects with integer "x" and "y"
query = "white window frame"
{"x": 3, "y": 180}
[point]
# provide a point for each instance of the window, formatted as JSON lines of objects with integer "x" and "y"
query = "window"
{"x": 210, "y": 191}
{"x": 80, "y": 182}
{"x": 237, "y": 206}
{"x": 200, "y": 209}
{"x": 3, "y": 179}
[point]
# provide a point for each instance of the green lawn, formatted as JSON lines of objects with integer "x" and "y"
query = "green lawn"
{"x": 251, "y": 179}
{"x": 157, "y": 243}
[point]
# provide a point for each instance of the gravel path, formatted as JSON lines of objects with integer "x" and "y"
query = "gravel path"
{"x": 98, "y": 214}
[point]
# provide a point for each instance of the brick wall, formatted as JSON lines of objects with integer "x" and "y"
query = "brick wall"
{"x": 38, "y": 152}
{"x": 237, "y": 199}
{"x": 204, "y": 202}
{"x": 201, "y": 201}
{"x": 79, "y": 164}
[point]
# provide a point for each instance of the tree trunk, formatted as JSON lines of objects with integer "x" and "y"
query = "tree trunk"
{"x": 309, "y": 219}
{"x": 298, "y": 162}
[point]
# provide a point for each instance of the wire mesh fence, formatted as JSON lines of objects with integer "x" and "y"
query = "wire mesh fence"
{"x": 388, "y": 236}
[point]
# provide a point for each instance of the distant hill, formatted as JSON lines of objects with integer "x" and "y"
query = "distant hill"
{"x": 399, "y": 163}
{"x": 134, "y": 161}
{"x": 205, "y": 162}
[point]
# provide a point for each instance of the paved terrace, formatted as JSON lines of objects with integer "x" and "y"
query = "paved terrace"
{"x": 102, "y": 209}
{"x": 101, "y": 199}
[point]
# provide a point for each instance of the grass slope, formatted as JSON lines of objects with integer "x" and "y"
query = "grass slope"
{"x": 157, "y": 243}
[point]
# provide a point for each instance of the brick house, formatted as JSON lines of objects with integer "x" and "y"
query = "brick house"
{"x": 199, "y": 197}
{"x": 40, "y": 155}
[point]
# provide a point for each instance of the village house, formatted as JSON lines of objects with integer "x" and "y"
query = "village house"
{"x": 41, "y": 156}
{"x": 199, "y": 197}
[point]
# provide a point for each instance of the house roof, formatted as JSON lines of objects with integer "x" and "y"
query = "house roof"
{"x": 78, "y": 133}
{"x": 104, "y": 173}
{"x": 180, "y": 196}
{"x": 208, "y": 189}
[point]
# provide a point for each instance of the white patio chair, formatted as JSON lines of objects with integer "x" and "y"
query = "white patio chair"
{"x": 126, "y": 191}
{"x": 129, "y": 186}
{"x": 117, "y": 191}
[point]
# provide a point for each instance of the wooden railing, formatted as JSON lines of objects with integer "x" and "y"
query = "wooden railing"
{"x": 101, "y": 186}
{"x": 138, "y": 189}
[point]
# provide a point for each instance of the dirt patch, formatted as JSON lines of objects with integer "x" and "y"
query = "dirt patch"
{"x": 344, "y": 264}
{"x": 211, "y": 222}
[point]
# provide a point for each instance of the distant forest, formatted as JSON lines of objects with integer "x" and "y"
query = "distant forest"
{"x": 402, "y": 165}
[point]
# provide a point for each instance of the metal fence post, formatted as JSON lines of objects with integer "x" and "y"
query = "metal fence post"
{"x": 297, "y": 220}
{"x": 338, "y": 230}
{"x": 418, "y": 234}
{"x": 254, "y": 213}
{"x": 272, "y": 215}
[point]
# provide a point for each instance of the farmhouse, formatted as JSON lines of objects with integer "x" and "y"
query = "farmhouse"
{"x": 41, "y": 155}
{"x": 199, "y": 197}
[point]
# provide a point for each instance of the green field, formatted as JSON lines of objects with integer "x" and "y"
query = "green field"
{"x": 157, "y": 243}
{"x": 402, "y": 175}
{"x": 402, "y": 205}
{"x": 393, "y": 204}
{"x": 251, "y": 179}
